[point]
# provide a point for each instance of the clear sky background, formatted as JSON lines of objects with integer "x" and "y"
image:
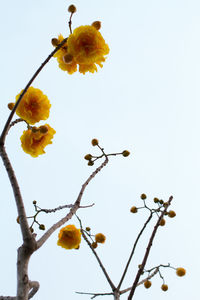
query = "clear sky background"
{"x": 145, "y": 99}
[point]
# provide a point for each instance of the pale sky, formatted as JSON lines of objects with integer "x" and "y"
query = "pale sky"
{"x": 144, "y": 99}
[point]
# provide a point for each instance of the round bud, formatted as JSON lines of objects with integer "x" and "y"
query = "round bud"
{"x": 55, "y": 42}
{"x": 147, "y": 284}
{"x": 165, "y": 204}
{"x": 34, "y": 129}
{"x": 180, "y": 272}
{"x": 143, "y": 196}
{"x": 162, "y": 222}
{"x": 134, "y": 209}
{"x": 164, "y": 287}
{"x": 68, "y": 58}
{"x": 90, "y": 163}
{"x": 96, "y": 24}
{"x": 125, "y": 153}
{"x": 11, "y": 105}
{"x": 100, "y": 238}
{"x": 156, "y": 200}
{"x": 43, "y": 129}
{"x": 34, "y": 202}
{"x": 171, "y": 214}
{"x": 94, "y": 142}
{"x": 94, "y": 245}
{"x": 31, "y": 229}
{"x": 87, "y": 228}
{"x": 17, "y": 219}
{"x": 88, "y": 156}
{"x": 42, "y": 227}
{"x": 72, "y": 9}
{"x": 161, "y": 201}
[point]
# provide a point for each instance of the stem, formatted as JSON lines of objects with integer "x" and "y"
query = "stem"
{"x": 133, "y": 250}
{"x": 139, "y": 273}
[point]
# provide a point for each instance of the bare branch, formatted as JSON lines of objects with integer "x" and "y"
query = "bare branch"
{"x": 141, "y": 282}
{"x": 51, "y": 210}
{"x": 98, "y": 259}
{"x": 133, "y": 250}
{"x": 74, "y": 208}
{"x": 94, "y": 295}
{"x": 139, "y": 273}
{"x": 7, "y": 298}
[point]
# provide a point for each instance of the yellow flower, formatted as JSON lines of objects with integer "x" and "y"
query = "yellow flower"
{"x": 34, "y": 106}
{"x": 100, "y": 238}
{"x": 180, "y": 272}
{"x": 34, "y": 143}
{"x": 69, "y": 237}
{"x": 87, "y": 47}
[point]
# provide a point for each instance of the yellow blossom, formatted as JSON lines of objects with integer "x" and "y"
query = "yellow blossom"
{"x": 86, "y": 47}
{"x": 100, "y": 238}
{"x": 69, "y": 237}
{"x": 34, "y": 106}
{"x": 34, "y": 143}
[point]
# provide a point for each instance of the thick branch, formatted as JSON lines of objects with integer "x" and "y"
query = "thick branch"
{"x": 139, "y": 273}
{"x": 73, "y": 210}
{"x": 6, "y": 127}
{"x": 27, "y": 236}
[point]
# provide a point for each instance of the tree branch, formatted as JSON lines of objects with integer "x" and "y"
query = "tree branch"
{"x": 73, "y": 210}
{"x": 34, "y": 287}
{"x": 26, "y": 233}
{"x": 139, "y": 273}
{"x": 133, "y": 250}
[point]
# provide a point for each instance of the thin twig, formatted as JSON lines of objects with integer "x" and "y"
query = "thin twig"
{"x": 94, "y": 295}
{"x": 62, "y": 207}
{"x": 98, "y": 259}
{"x": 73, "y": 210}
{"x": 139, "y": 273}
{"x": 141, "y": 282}
{"x": 133, "y": 250}
{"x": 6, "y": 127}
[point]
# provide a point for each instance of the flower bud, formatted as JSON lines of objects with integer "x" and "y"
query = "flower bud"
{"x": 180, "y": 272}
{"x": 87, "y": 228}
{"x": 171, "y": 214}
{"x": 88, "y": 156}
{"x": 143, "y": 196}
{"x": 162, "y": 222}
{"x": 94, "y": 245}
{"x": 17, "y": 219}
{"x": 94, "y": 142}
{"x": 100, "y": 238}
{"x": 42, "y": 227}
{"x": 156, "y": 200}
{"x": 55, "y": 42}
{"x": 34, "y": 129}
{"x": 125, "y": 153}
{"x": 43, "y": 129}
{"x": 147, "y": 284}
{"x": 11, "y": 105}
{"x": 134, "y": 209}
{"x": 31, "y": 229}
{"x": 34, "y": 202}
{"x": 96, "y": 24}
{"x": 164, "y": 287}
{"x": 68, "y": 58}
{"x": 72, "y": 9}
{"x": 90, "y": 163}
